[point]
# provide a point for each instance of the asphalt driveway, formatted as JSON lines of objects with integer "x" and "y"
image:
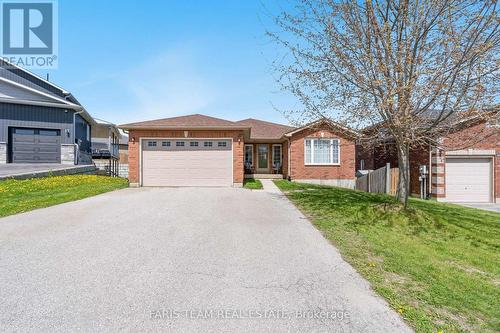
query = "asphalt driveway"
{"x": 180, "y": 259}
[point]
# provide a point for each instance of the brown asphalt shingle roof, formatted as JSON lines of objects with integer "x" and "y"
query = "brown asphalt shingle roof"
{"x": 190, "y": 121}
{"x": 265, "y": 130}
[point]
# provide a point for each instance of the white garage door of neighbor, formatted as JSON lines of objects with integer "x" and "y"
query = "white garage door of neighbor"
{"x": 178, "y": 162}
{"x": 468, "y": 179}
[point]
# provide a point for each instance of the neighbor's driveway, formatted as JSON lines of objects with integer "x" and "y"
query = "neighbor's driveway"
{"x": 110, "y": 262}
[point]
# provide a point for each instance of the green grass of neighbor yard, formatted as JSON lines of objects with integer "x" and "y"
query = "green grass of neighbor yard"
{"x": 17, "y": 196}
{"x": 438, "y": 265}
{"x": 252, "y": 184}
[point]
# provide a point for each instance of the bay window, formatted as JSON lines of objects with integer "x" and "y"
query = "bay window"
{"x": 320, "y": 151}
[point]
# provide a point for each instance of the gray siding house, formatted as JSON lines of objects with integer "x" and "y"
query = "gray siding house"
{"x": 40, "y": 122}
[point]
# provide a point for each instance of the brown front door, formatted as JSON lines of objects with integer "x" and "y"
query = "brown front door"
{"x": 263, "y": 158}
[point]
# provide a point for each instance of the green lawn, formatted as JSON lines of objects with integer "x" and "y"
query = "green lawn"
{"x": 252, "y": 184}
{"x": 17, "y": 196}
{"x": 437, "y": 264}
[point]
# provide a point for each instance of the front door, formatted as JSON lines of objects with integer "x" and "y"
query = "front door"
{"x": 263, "y": 158}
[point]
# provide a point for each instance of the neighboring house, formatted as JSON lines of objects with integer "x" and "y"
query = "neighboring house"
{"x": 463, "y": 167}
{"x": 40, "y": 122}
{"x": 105, "y": 140}
{"x": 198, "y": 150}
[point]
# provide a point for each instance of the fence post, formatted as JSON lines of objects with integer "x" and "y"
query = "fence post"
{"x": 388, "y": 178}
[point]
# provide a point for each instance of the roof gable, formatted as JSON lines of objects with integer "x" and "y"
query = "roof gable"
{"x": 264, "y": 129}
{"x": 322, "y": 123}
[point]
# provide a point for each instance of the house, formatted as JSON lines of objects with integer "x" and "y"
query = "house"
{"x": 464, "y": 166}
{"x": 199, "y": 150}
{"x": 105, "y": 139}
{"x": 40, "y": 122}
{"x": 110, "y": 149}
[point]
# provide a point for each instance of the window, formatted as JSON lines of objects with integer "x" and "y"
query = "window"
{"x": 179, "y": 144}
{"x": 322, "y": 151}
{"x": 222, "y": 144}
{"x": 165, "y": 144}
{"x": 151, "y": 143}
{"x": 193, "y": 144}
{"x": 88, "y": 132}
{"x": 276, "y": 156}
{"x": 248, "y": 155}
{"x": 24, "y": 131}
{"x": 362, "y": 164}
{"x": 207, "y": 144}
{"x": 494, "y": 123}
{"x": 49, "y": 132}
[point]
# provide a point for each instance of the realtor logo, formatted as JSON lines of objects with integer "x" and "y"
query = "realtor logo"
{"x": 29, "y": 33}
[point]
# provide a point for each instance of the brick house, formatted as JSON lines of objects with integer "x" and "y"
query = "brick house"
{"x": 198, "y": 150}
{"x": 464, "y": 166}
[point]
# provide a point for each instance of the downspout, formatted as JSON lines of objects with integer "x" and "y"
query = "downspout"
{"x": 289, "y": 159}
{"x": 430, "y": 172}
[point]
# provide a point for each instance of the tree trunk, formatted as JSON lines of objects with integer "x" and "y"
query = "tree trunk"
{"x": 404, "y": 174}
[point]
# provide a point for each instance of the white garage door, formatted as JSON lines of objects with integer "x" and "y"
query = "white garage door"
{"x": 178, "y": 162}
{"x": 468, "y": 179}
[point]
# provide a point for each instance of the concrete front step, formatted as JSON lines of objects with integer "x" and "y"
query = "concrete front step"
{"x": 264, "y": 176}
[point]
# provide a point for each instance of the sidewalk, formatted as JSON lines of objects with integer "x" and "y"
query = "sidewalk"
{"x": 269, "y": 186}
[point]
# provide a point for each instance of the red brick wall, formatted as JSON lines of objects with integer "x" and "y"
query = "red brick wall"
{"x": 134, "y": 142}
{"x": 346, "y": 169}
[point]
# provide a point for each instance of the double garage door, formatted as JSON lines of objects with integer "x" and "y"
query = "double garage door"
{"x": 469, "y": 179}
{"x": 187, "y": 162}
{"x": 30, "y": 145}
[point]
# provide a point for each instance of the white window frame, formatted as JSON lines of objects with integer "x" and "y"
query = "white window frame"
{"x": 245, "y": 152}
{"x": 312, "y": 151}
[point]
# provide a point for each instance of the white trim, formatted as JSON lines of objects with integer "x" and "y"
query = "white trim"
{"x": 39, "y": 103}
{"x": 245, "y": 152}
{"x": 312, "y": 151}
{"x": 281, "y": 153}
{"x": 167, "y": 138}
{"x": 35, "y": 91}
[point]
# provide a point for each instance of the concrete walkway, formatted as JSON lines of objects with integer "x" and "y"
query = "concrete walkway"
{"x": 180, "y": 260}
{"x": 34, "y": 170}
{"x": 269, "y": 186}
{"x": 492, "y": 207}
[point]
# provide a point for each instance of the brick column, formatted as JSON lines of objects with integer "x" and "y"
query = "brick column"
{"x": 438, "y": 164}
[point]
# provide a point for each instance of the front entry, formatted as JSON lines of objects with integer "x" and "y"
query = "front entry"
{"x": 262, "y": 158}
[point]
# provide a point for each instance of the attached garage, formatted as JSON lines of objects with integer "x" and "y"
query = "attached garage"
{"x": 187, "y": 162}
{"x": 469, "y": 179}
{"x": 30, "y": 145}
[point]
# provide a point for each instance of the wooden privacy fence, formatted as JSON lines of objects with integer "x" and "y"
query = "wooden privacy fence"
{"x": 383, "y": 180}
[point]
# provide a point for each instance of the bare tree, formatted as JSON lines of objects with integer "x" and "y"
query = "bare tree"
{"x": 412, "y": 67}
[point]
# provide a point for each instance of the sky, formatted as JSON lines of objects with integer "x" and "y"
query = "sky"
{"x": 129, "y": 60}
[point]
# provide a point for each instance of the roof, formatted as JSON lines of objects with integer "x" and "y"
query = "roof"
{"x": 265, "y": 130}
{"x": 348, "y": 131}
{"x": 194, "y": 121}
{"x": 20, "y": 86}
